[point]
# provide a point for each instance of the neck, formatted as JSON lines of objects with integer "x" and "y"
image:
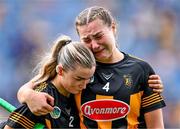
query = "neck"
{"x": 115, "y": 57}
{"x": 57, "y": 83}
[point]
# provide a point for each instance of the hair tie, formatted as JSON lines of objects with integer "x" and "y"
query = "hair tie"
{"x": 67, "y": 42}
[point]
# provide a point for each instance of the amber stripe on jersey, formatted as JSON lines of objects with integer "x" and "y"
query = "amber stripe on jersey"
{"x": 154, "y": 98}
{"x": 22, "y": 120}
{"x": 132, "y": 117}
{"x": 78, "y": 104}
{"x": 48, "y": 124}
{"x": 104, "y": 124}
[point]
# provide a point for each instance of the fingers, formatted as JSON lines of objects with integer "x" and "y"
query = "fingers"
{"x": 158, "y": 90}
{"x": 39, "y": 112}
{"x": 156, "y": 83}
{"x": 50, "y": 100}
{"x": 42, "y": 109}
{"x": 154, "y": 77}
{"x": 156, "y": 86}
{"x": 41, "y": 103}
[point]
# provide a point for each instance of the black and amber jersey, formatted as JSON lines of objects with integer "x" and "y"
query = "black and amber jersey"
{"x": 58, "y": 118}
{"x": 118, "y": 96}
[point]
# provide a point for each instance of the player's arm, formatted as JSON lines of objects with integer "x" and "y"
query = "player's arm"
{"x": 7, "y": 127}
{"x": 155, "y": 82}
{"x": 39, "y": 103}
{"x": 154, "y": 119}
{"x": 25, "y": 91}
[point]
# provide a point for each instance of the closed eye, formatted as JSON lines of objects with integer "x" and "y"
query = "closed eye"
{"x": 98, "y": 36}
{"x": 86, "y": 40}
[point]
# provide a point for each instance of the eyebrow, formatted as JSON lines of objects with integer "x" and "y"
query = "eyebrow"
{"x": 83, "y": 78}
{"x": 97, "y": 33}
{"x": 85, "y": 37}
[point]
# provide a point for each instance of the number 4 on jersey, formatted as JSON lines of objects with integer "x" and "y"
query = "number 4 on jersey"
{"x": 106, "y": 87}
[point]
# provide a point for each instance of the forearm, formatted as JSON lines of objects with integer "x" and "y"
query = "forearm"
{"x": 25, "y": 91}
{"x": 154, "y": 119}
{"x": 7, "y": 127}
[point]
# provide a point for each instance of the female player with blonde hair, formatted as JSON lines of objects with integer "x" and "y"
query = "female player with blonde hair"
{"x": 64, "y": 71}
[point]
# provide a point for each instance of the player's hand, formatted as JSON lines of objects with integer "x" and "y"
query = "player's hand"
{"x": 40, "y": 103}
{"x": 155, "y": 82}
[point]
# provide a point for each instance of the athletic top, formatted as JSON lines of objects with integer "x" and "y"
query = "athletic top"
{"x": 58, "y": 118}
{"x": 118, "y": 96}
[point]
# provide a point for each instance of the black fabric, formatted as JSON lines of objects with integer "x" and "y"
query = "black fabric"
{"x": 60, "y": 118}
{"x": 126, "y": 81}
{"x": 2, "y": 124}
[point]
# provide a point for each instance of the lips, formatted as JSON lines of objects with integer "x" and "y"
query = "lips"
{"x": 96, "y": 53}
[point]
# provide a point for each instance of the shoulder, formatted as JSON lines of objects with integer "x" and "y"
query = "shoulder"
{"x": 141, "y": 66}
{"x": 41, "y": 87}
{"x": 46, "y": 87}
{"x": 138, "y": 61}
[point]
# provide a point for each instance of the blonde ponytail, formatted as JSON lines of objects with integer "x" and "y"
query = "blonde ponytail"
{"x": 47, "y": 67}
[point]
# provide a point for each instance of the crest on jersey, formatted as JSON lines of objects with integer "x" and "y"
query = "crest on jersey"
{"x": 105, "y": 109}
{"x": 128, "y": 80}
{"x": 56, "y": 113}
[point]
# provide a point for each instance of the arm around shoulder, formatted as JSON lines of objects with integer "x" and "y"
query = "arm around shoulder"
{"x": 39, "y": 103}
{"x": 25, "y": 91}
{"x": 7, "y": 127}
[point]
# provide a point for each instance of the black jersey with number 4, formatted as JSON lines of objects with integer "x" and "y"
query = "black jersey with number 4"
{"x": 118, "y": 96}
{"x": 58, "y": 118}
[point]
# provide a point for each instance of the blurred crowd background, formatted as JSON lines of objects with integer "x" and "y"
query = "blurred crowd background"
{"x": 149, "y": 29}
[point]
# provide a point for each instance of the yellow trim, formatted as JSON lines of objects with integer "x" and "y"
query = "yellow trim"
{"x": 149, "y": 96}
{"x": 154, "y": 97}
{"x": 22, "y": 120}
{"x": 104, "y": 124}
{"x": 152, "y": 103}
{"x": 48, "y": 123}
{"x": 135, "y": 105}
{"x": 78, "y": 104}
{"x": 151, "y": 100}
{"x": 21, "y": 123}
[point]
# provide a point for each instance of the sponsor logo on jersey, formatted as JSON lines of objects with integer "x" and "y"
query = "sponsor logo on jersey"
{"x": 56, "y": 113}
{"x": 105, "y": 109}
{"x": 128, "y": 80}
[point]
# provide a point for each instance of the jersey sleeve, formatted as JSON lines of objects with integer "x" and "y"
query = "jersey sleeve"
{"x": 22, "y": 118}
{"x": 150, "y": 100}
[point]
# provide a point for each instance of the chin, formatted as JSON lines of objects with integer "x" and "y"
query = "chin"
{"x": 76, "y": 92}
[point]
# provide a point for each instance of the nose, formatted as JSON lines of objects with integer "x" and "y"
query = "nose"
{"x": 83, "y": 84}
{"x": 94, "y": 45}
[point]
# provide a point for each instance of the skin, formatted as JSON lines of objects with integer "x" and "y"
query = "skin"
{"x": 64, "y": 80}
{"x": 101, "y": 40}
{"x": 78, "y": 77}
{"x": 104, "y": 49}
{"x": 154, "y": 119}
